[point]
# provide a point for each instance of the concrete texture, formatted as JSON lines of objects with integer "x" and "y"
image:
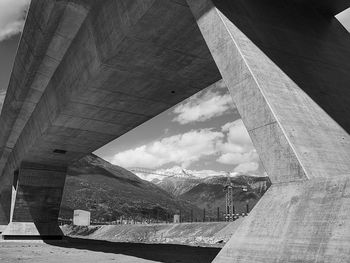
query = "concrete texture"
{"x": 303, "y": 216}
{"x": 305, "y": 40}
{"x": 36, "y": 201}
{"x": 294, "y": 137}
{"x": 2, "y": 228}
{"x": 49, "y": 31}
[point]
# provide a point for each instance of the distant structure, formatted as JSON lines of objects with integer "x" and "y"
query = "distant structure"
{"x": 176, "y": 218}
{"x": 81, "y": 218}
{"x": 230, "y": 209}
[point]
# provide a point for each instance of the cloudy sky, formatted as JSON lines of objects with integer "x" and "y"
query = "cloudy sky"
{"x": 12, "y": 15}
{"x": 203, "y": 134}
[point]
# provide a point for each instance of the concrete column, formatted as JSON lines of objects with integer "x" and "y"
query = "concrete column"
{"x": 5, "y": 201}
{"x": 5, "y": 204}
{"x": 36, "y": 200}
{"x": 305, "y": 215}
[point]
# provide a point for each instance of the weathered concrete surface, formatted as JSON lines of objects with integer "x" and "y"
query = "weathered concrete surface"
{"x": 305, "y": 40}
{"x": 304, "y": 217}
{"x": 122, "y": 68}
{"x": 49, "y": 30}
{"x": 36, "y": 201}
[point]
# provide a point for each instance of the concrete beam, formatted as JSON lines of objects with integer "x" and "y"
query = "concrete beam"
{"x": 125, "y": 65}
{"x": 49, "y": 30}
{"x": 120, "y": 64}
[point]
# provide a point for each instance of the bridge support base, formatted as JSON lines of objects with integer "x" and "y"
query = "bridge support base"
{"x": 295, "y": 222}
{"x": 2, "y": 228}
{"x": 36, "y": 201}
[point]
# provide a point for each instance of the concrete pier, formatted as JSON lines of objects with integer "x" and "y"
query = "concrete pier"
{"x": 36, "y": 202}
{"x": 305, "y": 215}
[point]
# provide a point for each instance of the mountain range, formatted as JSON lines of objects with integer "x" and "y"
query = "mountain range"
{"x": 109, "y": 191}
{"x": 208, "y": 193}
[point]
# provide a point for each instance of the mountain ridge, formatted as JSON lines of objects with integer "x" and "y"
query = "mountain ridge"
{"x": 208, "y": 193}
{"x": 110, "y": 191}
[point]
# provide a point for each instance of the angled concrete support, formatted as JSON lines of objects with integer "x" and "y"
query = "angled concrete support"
{"x": 36, "y": 200}
{"x": 305, "y": 215}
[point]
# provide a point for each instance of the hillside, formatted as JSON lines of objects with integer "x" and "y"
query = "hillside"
{"x": 109, "y": 191}
{"x": 177, "y": 185}
{"x": 209, "y": 192}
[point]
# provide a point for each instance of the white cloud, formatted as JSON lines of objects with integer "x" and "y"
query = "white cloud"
{"x": 232, "y": 145}
{"x": 235, "y": 158}
{"x": 237, "y": 133}
{"x": 12, "y": 16}
{"x": 182, "y": 149}
{"x": 247, "y": 167}
{"x": 204, "y": 106}
{"x": 179, "y": 171}
{"x": 238, "y": 148}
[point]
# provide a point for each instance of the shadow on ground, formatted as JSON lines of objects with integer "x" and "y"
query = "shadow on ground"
{"x": 168, "y": 253}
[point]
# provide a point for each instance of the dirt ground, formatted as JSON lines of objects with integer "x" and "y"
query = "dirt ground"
{"x": 78, "y": 250}
{"x": 169, "y": 243}
{"x": 208, "y": 234}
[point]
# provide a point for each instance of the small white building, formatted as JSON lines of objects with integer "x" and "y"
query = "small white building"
{"x": 176, "y": 219}
{"x": 81, "y": 218}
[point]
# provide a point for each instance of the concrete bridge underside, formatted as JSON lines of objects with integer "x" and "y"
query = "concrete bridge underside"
{"x": 87, "y": 72}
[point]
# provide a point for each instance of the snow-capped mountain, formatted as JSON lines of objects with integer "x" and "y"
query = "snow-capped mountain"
{"x": 153, "y": 175}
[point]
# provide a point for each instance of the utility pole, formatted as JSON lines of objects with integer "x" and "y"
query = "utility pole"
{"x": 229, "y": 199}
{"x": 203, "y": 214}
{"x": 218, "y": 214}
{"x": 191, "y": 215}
